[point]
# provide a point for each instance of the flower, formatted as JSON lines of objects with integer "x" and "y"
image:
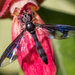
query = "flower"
{"x": 29, "y": 60}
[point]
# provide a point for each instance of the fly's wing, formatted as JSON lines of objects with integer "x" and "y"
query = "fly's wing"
{"x": 9, "y": 54}
{"x": 58, "y": 31}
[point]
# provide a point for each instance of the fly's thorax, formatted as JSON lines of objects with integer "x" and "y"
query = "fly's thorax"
{"x": 30, "y": 26}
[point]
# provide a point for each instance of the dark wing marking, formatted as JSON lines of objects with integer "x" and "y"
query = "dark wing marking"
{"x": 10, "y": 53}
{"x": 58, "y": 31}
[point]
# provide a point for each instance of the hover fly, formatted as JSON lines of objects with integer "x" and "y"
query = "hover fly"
{"x": 56, "y": 31}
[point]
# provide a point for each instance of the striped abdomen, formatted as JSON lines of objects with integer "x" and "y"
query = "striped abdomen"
{"x": 40, "y": 49}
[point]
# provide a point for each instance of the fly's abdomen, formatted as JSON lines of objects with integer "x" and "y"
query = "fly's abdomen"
{"x": 40, "y": 49}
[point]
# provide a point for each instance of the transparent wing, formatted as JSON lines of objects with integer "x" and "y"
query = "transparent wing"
{"x": 10, "y": 54}
{"x": 58, "y": 31}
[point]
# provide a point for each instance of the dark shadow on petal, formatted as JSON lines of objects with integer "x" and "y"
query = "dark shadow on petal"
{"x": 29, "y": 59}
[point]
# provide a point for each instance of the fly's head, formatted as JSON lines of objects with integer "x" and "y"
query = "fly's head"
{"x": 25, "y": 16}
{"x": 27, "y": 19}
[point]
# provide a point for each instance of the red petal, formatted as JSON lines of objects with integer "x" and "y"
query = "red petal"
{"x": 31, "y": 6}
{"x": 14, "y": 3}
{"x": 6, "y": 5}
{"x": 29, "y": 60}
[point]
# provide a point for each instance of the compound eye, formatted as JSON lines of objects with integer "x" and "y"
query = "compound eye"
{"x": 29, "y": 17}
{"x": 24, "y": 19}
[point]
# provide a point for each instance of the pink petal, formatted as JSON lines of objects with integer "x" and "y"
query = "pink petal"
{"x": 29, "y": 60}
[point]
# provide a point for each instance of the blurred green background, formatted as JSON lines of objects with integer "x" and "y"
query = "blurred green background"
{"x": 53, "y": 12}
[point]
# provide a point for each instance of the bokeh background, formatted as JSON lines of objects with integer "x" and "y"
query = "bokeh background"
{"x": 52, "y": 12}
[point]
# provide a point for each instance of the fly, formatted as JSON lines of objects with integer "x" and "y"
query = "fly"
{"x": 56, "y": 31}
